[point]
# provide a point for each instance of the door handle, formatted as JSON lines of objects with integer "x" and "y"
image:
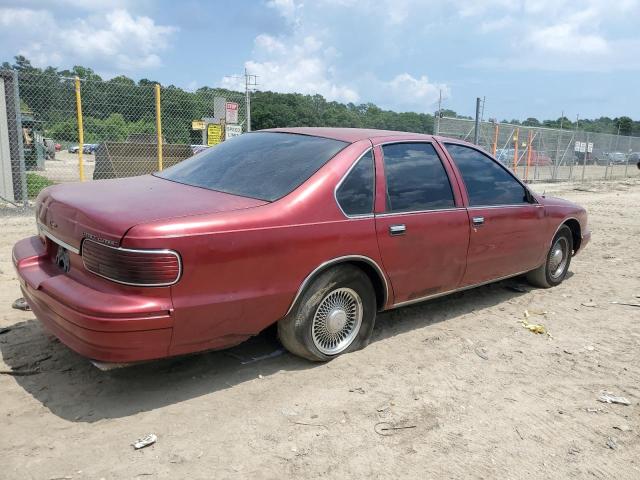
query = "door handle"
{"x": 477, "y": 221}
{"x": 397, "y": 229}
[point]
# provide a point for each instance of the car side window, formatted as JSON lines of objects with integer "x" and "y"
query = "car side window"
{"x": 355, "y": 194}
{"x": 416, "y": 178}
{"x": 487, "y": 182}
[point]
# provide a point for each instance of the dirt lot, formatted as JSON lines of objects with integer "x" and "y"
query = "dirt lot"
{"x": 481, "y": 396}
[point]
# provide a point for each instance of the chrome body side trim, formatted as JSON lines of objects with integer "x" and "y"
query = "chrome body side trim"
{"x": 344, "y": 177}
{"x": 335, "y": 261}
{"x": 166, "y": 251}
{"x": 56, "y": 240}
{"x": 461, "y": 289}
{"x": 391, "y": 214}
{"x": 519, "y": 205}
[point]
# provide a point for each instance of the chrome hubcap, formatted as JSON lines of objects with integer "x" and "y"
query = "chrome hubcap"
{"x": 337, "y": 321}
{"x": 558, "y": 258}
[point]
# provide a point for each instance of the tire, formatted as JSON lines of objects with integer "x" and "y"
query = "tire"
{"x": 553, "y": 271}
{"x": 343, "y": 324}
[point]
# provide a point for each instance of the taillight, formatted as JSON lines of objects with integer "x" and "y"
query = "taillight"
{"x": 143, "y": 268}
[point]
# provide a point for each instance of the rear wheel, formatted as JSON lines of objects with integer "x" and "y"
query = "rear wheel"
{"x": 334, "y": 315}
{"x": 553, "y": 271}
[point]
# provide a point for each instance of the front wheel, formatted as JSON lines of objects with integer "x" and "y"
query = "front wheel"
{"x": 334, "y": 315}
{"x": 553, "y": 271}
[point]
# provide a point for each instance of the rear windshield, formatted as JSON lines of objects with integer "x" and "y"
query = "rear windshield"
{"x": 262, "y": 165}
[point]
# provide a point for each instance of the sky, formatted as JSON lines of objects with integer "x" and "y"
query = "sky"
{"x": 528, "y": 58}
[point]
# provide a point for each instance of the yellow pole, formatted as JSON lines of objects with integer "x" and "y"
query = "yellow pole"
{"x": 159, "y": 126}
{"x": 80, "y": 130}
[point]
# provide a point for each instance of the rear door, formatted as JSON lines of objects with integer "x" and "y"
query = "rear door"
{"x": 421, "y": 223}
{"x": 507, "y": 224}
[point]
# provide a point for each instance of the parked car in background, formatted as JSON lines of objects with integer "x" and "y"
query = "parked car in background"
{"x": 505, "y": 156}
{"x": 49, "y": 148}
{"x": 617, "y": 158}
{"x": 198, "y": 148}
{"x": 540, "y": 159}
{"x": 313, "y": 229}
{"x": 89, "y": 148}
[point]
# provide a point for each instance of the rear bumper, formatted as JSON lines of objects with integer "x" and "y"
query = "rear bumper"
{"x": 101, "y": 324}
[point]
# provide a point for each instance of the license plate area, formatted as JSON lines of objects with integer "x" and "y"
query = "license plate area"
{"x": 62, "y": 259}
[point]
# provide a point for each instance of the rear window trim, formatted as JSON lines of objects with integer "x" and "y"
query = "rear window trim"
{"x": 344, "y": 177}
{"x": 346, "y": 144}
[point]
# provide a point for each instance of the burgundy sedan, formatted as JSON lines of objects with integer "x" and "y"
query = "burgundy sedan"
{"x": 315, "y": 229}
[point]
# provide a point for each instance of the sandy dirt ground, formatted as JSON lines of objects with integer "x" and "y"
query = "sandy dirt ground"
{"x": 471, "y": 393}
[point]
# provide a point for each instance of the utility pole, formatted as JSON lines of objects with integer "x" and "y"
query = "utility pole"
{"x": 476, "y": 135}
{"x": 249, "y": 82}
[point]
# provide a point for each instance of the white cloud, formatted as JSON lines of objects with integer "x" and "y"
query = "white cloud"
{"x": 308, "y": 60}
{"x": 302, "y": 66}
{"x": 565, "y": 38}
{"x": 417, "y": 93}
{"x": 115, "y": 39}
{"x": 290, "y": 10}
{"x": 560, "y": 35}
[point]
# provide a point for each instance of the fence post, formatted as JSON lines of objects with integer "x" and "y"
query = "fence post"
{"x": 586, "y": 153}
{"x": 515, "y": 151}
{"x": 495, "y": 140}
{"x": 626, "y": 165}
{"x": 537, "y": 135}
{"x": 24, "y": 193}
{"x": 526, "y": 171}
{"x": 80, "y": 130}
{"x": 158, "y": 125}
{"x": 476, "y": 133}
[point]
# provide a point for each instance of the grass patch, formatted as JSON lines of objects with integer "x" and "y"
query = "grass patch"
{"x": 35, "y": 183}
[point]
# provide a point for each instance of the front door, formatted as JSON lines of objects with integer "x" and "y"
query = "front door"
{"x": 506, "y": 235}
{"x": 423, "y": 233}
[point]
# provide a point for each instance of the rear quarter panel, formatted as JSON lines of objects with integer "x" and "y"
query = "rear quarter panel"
{"x": 241, "y": 270}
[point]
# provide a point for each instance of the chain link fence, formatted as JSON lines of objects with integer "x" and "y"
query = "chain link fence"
{"x": 55, "y": 129}
{"x": 538, "y": 154}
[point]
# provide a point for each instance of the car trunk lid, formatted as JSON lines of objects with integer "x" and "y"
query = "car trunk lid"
{"x": 105, "y": 209}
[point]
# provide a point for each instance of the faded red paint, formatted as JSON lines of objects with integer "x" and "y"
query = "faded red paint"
{"x": 244, "y": 260}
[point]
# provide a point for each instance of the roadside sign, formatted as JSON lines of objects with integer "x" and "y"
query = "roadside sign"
{"x": 197, "y": 125}
{"x": 231, "y": 112}
{"x": 577, "y": 147}
{"x": 232, "y": 131}
{"x": 590, "y": 147}
{"x": 583, "y": 147}
{"x": 214, "y": 134}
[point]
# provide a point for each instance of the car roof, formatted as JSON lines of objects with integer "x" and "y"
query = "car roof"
{"x": 351, "y": 135}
